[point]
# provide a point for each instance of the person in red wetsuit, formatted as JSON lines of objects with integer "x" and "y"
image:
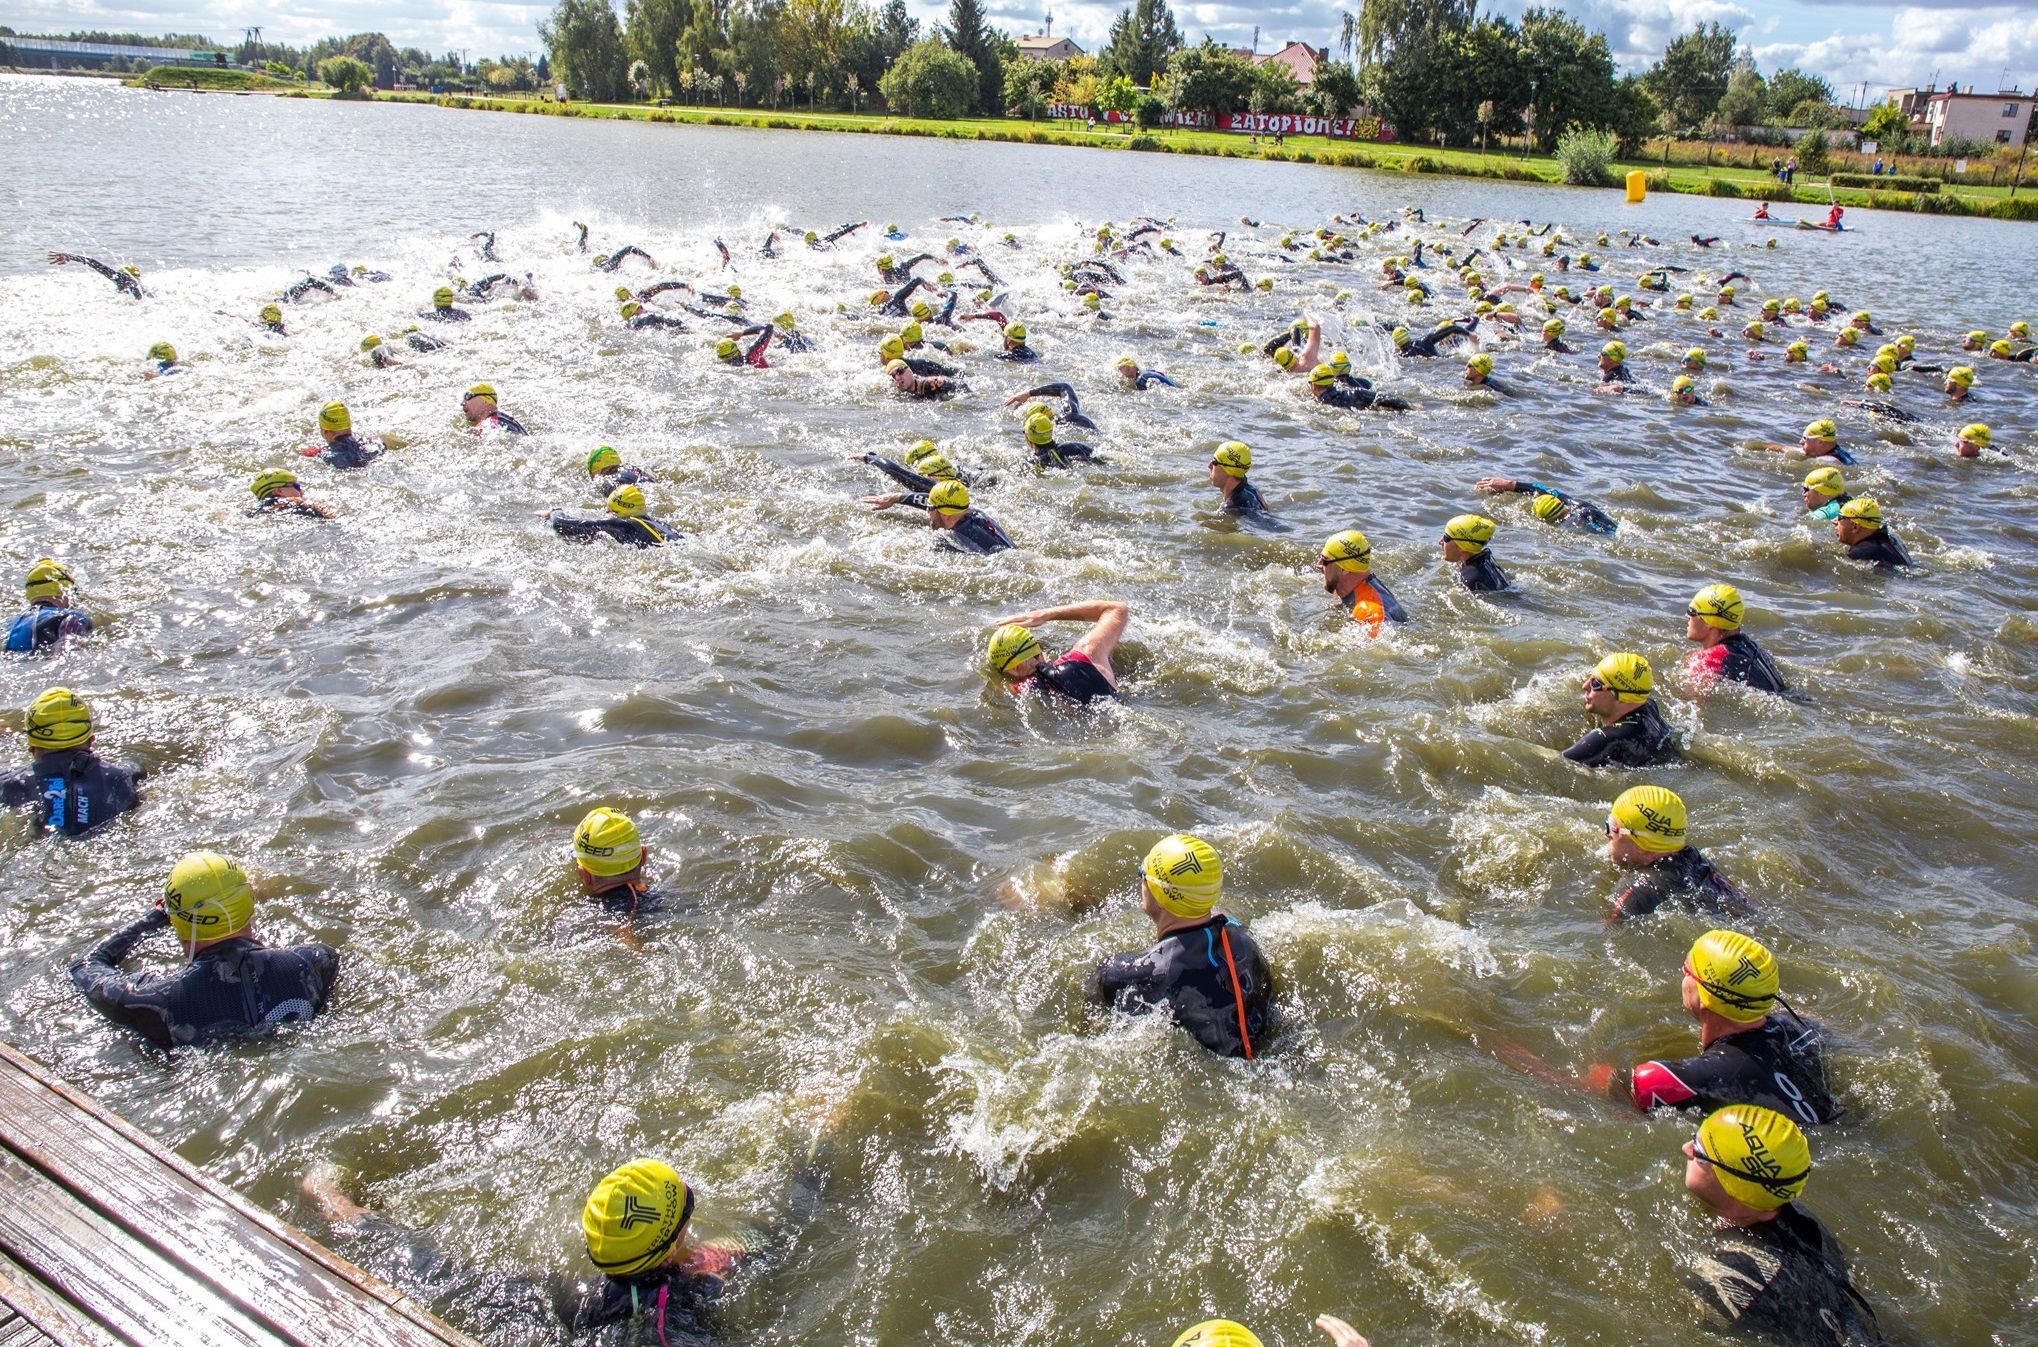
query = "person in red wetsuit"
{"x": 1725, "y": 654}
{"x": 1748, "y": 1052}
{"x": 1082, "y": 675}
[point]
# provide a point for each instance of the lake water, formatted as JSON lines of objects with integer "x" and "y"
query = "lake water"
{"x": 890, "y": 877}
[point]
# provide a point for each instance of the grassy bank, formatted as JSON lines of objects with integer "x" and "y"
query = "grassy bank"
{"x": 205, "y": 77}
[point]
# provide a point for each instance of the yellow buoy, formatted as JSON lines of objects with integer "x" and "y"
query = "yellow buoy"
{"x": 1638, "y": 186}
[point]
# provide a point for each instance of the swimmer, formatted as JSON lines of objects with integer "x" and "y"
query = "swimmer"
{"x": 278, "y": 491}
{"x": 1140, "y": 380}
{"x": 898, "y": 303}
{"x": 51, "y": 620}
{"x": 1082, "y": 675}
{"x": 1645, "y": 831}
{"x": 1567, "y": 510}
{"x": 609, "y": 858}
{"x": 1049, "y": 452}
{"x": 162, "y": 358}
{"x": 729, "y": 350}
{"x": 914, "y": 337}
{"x": 785, "y": 331}
{"x": 1324, "y": 387}
{"x": 2001, "y": 350}
{"x": 73, "y": 789}
{"x": 295, "y": 292}
{"x": 1959, "y": 383}
{"x": 418, "y": 341}
{"x": 1228, "y": 468}
{"x": 1821, "y": 439}
{"x": 1684, "y": 392}
{"x": 271, "y": 320}
{"x": 1725, "y": 653}
{"x": 486, "y": 252}
{"x": 640, "y": 319}
{"x": 1295, "y": 351}
{"x": 1825, "y": 491}
{"x": 949, "y": 511}
{"x": 1972, "y": 440}
{"x": 477, "y": 404}
{"x": 1866, "y": 537}
{"x": 340, "y": 448}
{"x": 608, "y": 471}
{"x": 628, "y": 521}
{"x": 1222, "y": 275}
{"x": 1341, "y": 369}
{"x": 893, "y": 348}
{"x": 1072, "y": 408}
{"x": 899, "y": 273}
{"x": 906, "y": 381}
{"x": 442, "y": 310}
{"x": 1776, "y": 1271}
{"x": 1553, "y": 338}
{"x": 721, "y": 248}
{"x": 1203, "y": 966}
{"x": 128, "y": 279}
{"x": 925, "y": 465}
{"x": 526, "y": 289}
{"x": 611, "y": 261}
{"x": 1479, "y": 374}
{"x": 1798, "y": 353}
{"x": 1634, "y": 733}
{"x": 232, "y": 985}
{"x": 1346, "y": 565}
{"x": 1013, "y": 345}
{"x": 1406, "y": 344}
{"x": 1976, "y": 340}
{"x": 1613, "y": 368}
{"x": 1466, "y": 546}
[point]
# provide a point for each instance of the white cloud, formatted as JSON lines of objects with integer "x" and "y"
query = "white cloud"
{"x": 1970, "y": 46}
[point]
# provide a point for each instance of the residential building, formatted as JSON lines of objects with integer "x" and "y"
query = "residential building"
{"x": 1301, "y": 59}
{"x": 1040, "y": 47}
{"x": 2002, "y": 118}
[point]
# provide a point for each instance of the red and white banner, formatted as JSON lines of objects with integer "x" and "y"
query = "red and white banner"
{"x": 1241, "y": 123}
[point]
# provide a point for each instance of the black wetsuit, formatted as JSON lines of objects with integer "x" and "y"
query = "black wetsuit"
{"x": 975, "y": 532}
{"x": 1785, "y": 1279}
{"x": 930, "y": 368}
{"x": 1022, "y": 353}
{"x": 1738, "y": 659}
{"x": 915, "y": 481}
{"x": 1245, "y": 499}
{"x": 1427, "y": 345}
{"x": 622, "y": 255}
{"x": 1147, "y": 378}
{"x": 1482, "y": 574}
{"x": 73, "y": 791}
{"x": 127, "y": 284}
{"x": 502, "y": 421}
{"x": 1581, "y": 514}
{"x": 611, "y": 478}
{"x": 1073, "y": 677}
{"x": 1641, "y": 738}
{"x": 1072, "y": 409}
{"x": 896, "y": 305}
{"x": 344, "y": 451}
{"x": 284, "y": 505}
{"x": 1189, "y": 973}
{"x": 44, "y": 628}
{"x": 1880, "y": 548}
{"x": 902, "y": 272}
{"x": 1686, "y": 877}
{"x": 634, "y": 532}
{"x": 449, "y": 314}
{"x": 1358, "y": 399}
{"x": 646, "y": 320}
{"x": 418, "y": 341}
{"x": 235, "y": 987}
{"x": 1779, "y": 1064}
{"x": 1061, "y": 453}
{"x": 299, "y": 289}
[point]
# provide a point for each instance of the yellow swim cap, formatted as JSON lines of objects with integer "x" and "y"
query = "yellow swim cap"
{"x": 1628, "y": 675}
{"x": 483, "y": 391}
{"x": 1039, "y": 429}
{"x": 1848, "y": 336}
{"x": 1615, "y": 351}
{"x": 784, "y": 320}
{"x": 879, "y": 296}
{"x": 631, "y": 308}
{"x": 1349, "y": 551}
{"x": 271, "y": 314}
{"x": 1480, "y": 364}
{"x": 1962, "y": 375}
{"x": 370, "y": 342}
{"x": 1652, "y": 816}
{"x": 1340, "y": 363}
{"x": 1827, "y": 481}
{"x": 1608, "y": 315}
{"x": 1760, "y": 1156}
{"x": 634, "y": 1217}
{"x": 1471, "y": 532}
{"x": 57, "y": 720}
{"x": 1548, "y": 507}
{"x": 207, "y": 897}
{"x": 897, "y": 367}
{"x": 2021, "y": 330}
{"x": 1878, "y": 382}
{"x": 1695, "y": 356}
{"x": 1861, "y": 317}
{"x": 1092, "y": 301}
{"x": 335, "y": 417}
{"x": 884, "y": 261}
{"x": 1719, "y": 606}
{"x": 1726, "y": 292}
{"x": 1736, "y": 976}
{"x": 725, "y": 348}
{"x": 627, "y": 501}
{"x": 1184, "y": 875}
{"x": 1754, "y": 330}
{"x": 935, "y": 465}
{"x": 1975, "y": 433}
{"x": 622, "y": 292}
{"x": 1883, "y": 364}
{"x": 1011, "y": 645}
{"x": 1682, "y": 384}
{"x": 1863, "y": 510}
{"x": 1798, "y": 349}
{"x": 920, "y": 310}
{"x": 1218, "y": 1333}
{"x": 442, "y": 298}
{"x": 1997, "y": 347}
{"x": 1821, "y": 429}
{"x": 949, "y": 498}
{"x": 47, "y": 580}
{"x": 1553, "y": 327}
{"x": 1234, "y": 457}
{"x": 606, "y": 842}
{"x": 1284, "y": 357}
{"x": 1015, "y": 332}
{"x": 162, "y": 350}
{"x": 271, "y": 480}
{"x": 911, "y": 332}
{"x": 1322, "y": 376}
{"x": 891, "y": 348}
{"x": 1400, "y": 336}
{"x": 604, "y": 456}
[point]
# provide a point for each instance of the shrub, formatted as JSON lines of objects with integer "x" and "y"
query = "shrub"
{"x": 345, "y": 73}
{"x": 1888, "y": 182}
{"x": 1722, "y": 187}
{"x": 930, "y": 80}
{"x": 1150, "y": 144}
{"x": 1586, "y": 157}
{"x": 2022, "y": 208}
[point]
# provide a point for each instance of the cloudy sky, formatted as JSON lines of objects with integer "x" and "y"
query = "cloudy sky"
{"x": 1851, "y": 42}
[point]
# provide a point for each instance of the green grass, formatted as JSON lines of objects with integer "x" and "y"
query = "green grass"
{"x": 1685, "y": 174}
{"x": 206, "y": 77}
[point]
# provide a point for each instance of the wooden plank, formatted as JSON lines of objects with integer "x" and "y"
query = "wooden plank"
{"x": 273, "y": 1276}
{"x": 21, "y": 1333}
{"x": 58, "y": 1321}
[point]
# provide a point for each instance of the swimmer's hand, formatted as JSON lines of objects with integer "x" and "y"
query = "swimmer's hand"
{"x": 1497, "y": 484}
{"x": 1031, "y": 619}
{"x": 1341, "y": 1333}
{"x": 857, "y": 458}
{"x": 1016, "y": 399}
{"x": 312, "y": 450}
{"x": 885, "y": 502}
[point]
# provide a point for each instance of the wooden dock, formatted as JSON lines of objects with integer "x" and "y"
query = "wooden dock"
{"x": 109, "y": 1240}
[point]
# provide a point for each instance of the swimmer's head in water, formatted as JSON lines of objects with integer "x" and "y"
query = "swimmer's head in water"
{"x": 891, "y": 348}
{"x": 1284, "y": 356}
{"x": 1614, "y": 352}
{"x": 936, "y": 465}
{"x": 1549, "y": 508}
{"x": 2021, "y": 330}
{"x": 1793, "y": 305}
{"x": 1340, "y": 363}
{"x": 1999, "y": 348}
{"x": 1827, "y": 481}
{"x": 1684, "y": 301}
{"x": 726, "y": 349}
{"x": 1736, "y": 976}
{"x": 1479, "y": 366}
{"x": 1861, "y": 319}
{"x": 1849, "y": 336}
{"x": 1470, "y": 533}
{"x": 1218, "y": 1333}
{"x": 275, "y": 479}
{"x": 164, "y": 352}
{"x": 1626, "y": 675}
{"x": 627, "y": 501}
{"x": 1553, "y": 327}
{"x": 1010, "y": 648}
{"x": 878, "y": 297}
{"x": 884, "y": 261}
{"x": 949, "y": 498}
{"x": 1726, "y": 294}
{"x": 1754, "y": 331}
{"x": 271, "y": 314}
{"x": 622, "y": 292}
{"x": 207, "y": 897}
{"x": 783, "y": 320}
{"x": 1878, "y": 382}
{"x": 1234, "y": 457}
{"x": 1322, "y": 376}
{"x": 1015, "y": 333}
{"x": 1718, "y": 606}
{"x": 1821, "y": 431}
{"x": 1760, "y": 1157}
{"x": 1127, "y": 366}
{"x": 1865, "y": 511}
{"x": 1650, "y": 816}
{"x": 1682, "y": 385}
{"x": 1347, "y": 551}
{"x": 1040, "y": 428}
{"x": 634, "y": 1216}
{"x": 630, "y": 308}
{"x": 603, "y": 458}
{"x": 606, "y": 844}
{"x": 912, "y": 334}
{"x": 1092, "y": 301}
{"x": 1772, "y": 309}
{"x": 921, "y": 311}
{"x": 1797, "y": 350}
{"x": 486, "y": 392}
{"x": 442, "y": 298}
{"x": 1976, "y": 434}
{"x": 1885, "y": 361}
{"x": 58, "y": 720}
{"x": 335, "y": 418}
{"x": 1184, "y": 875}
{"x": 370, "y": 342}
{"x": 47, "y": 579}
